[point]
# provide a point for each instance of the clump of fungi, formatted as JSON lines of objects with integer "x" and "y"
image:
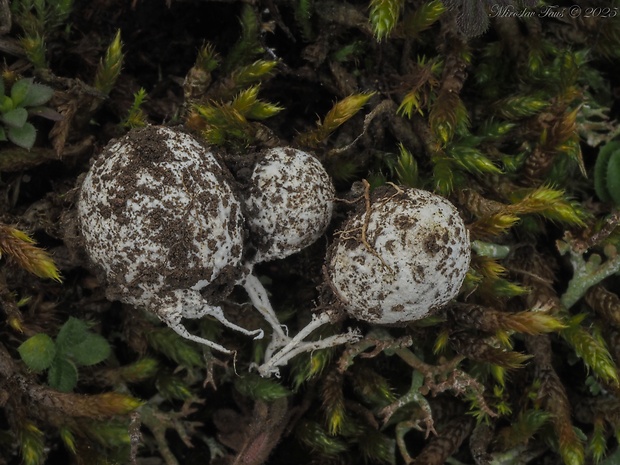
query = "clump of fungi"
{"x": 165, "y": 227}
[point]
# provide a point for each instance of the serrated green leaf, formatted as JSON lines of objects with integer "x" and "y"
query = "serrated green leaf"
{"x": 16, "y": 117}
{"x": 68, "y": 439}
{"x": 254, "y": 72}
{"x": 24, "y": 136}
{"x": 38, "y": 351}
{"x": 110, "y": 65}
{"x": 384, "y": 15}
{"x": 72, "y": 333}
{"x": 422, "y": 18}
{"x": 244, "y": 100}
{"x": 471, "y": 159}
{"x": 92, "y": 350}
{"x": 31, "y": 442}
{"x": 407, "y": 168}
{"x": 597, "y": 446}
{"x": 38, "y": 94}
{"x": 19, "y": 91}
{"x": 6, "y": 104}
{"x": 493, "y": 129}
{"x": 572, "y": 453}
{"x": 62, "y": 375}
{"x": 589, "y": 345}
{"x": 520, "y": 106}
{"x": 262, "y": 110}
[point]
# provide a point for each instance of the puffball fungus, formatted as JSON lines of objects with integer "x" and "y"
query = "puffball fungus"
{"x": 398, "y": 260}
{"x": 160, "y": 221}
{"x": 402, "y": 260}
{"x": 288, "y": 203}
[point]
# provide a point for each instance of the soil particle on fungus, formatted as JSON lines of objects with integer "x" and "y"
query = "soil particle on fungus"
{"x": 288, "y": 202}
{"x": 157, "y": 215}
{"x": 382, "y": 283}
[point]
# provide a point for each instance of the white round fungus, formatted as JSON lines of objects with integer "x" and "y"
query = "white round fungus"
{"x": 400, "y": 261}
{"x": 288, "y": 203}
{"x": 160, "y": 221}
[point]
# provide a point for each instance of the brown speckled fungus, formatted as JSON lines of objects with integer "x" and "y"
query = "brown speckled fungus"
{"x": 161, "y": 224}
{"x": 412, "y": 262}
{"x": 399, "y": 260}
{"x": 289, "y": 202}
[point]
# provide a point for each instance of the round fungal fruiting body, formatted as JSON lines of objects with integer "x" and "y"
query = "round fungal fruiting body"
{"x": 160, "y": 220}
{"x": 288, "y": 203}
{"x": 401, "y": 260}
{"x": 397, "y": 261}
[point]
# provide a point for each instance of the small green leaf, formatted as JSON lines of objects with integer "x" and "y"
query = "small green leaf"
{"x": 24, "y": 136}
{"x": 90, "y": 351}
{"x": 2, "y": 134}
{"x": 72, "y": 333}
{"x": 6, "y": 104}
{"x": 15, "y": 118}
{"x": 38, "y": 351}
{"x": 422, "y": 18}
{"x": 68, "y": 439}
{"x": 19, "y": 91}
{"x": 262, "y": 110}
{"x": 62, "y": 375}
{"x": 406, "y": 168}
{"x": 31, "y": 442}
{"x": 110, "y": 65}
{"x": 384, "y": 15}
{"x": 38, "y": 94}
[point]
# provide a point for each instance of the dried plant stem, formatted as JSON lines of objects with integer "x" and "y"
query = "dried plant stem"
{"x": 69, "y": 404}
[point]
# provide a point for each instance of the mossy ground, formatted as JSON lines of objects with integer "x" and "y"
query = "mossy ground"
{"x": 507, "y": 125}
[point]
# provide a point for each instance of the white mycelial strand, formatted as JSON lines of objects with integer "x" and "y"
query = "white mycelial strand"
{"x": 289, "y": 204}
